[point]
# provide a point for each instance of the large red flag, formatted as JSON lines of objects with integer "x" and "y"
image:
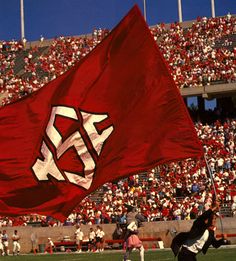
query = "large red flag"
{"x": 117, "y": 112}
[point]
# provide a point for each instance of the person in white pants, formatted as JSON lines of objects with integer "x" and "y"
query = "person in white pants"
{"x": 16, "y": 245}
{"x": 79, "y": 238}
{"x": 1, "y": 245}
{"x": 5, "y": 243}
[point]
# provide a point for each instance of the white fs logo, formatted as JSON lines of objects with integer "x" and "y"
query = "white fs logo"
{"x": 42, "y": 168}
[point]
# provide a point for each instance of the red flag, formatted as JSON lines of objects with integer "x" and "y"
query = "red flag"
{"x": 117, "y": 112}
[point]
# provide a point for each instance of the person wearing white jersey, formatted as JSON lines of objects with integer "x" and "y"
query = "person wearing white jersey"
{"x": 79, "y": 238}
{"x": 16, "y": 245}
{"x": 1, "y": 245}
{"x": 5, "y": 243}
{"x": 91, "y": 237}
{"x": 99, "y": 239}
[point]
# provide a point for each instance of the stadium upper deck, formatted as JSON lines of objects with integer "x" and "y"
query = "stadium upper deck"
{"x": 201, "y": 55}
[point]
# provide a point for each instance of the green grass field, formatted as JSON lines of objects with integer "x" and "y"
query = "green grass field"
{"x": 222, "y": 254}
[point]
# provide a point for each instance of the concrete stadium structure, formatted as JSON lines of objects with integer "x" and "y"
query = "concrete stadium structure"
{"x": 36, "y": 237}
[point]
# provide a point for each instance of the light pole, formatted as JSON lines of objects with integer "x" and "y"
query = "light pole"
{"x": 22, "y": 19}
{"x": 144, "y": 10}
{"x": 213, "y": 14}
{"x": 180, "y": 11}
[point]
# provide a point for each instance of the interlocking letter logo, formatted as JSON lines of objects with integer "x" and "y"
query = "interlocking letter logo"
{"x": 42, "y": 168}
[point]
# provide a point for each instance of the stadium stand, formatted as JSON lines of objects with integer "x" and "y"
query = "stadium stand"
{"x": 199, "y": 54}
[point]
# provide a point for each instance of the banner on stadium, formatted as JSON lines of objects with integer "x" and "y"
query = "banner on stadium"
{"x": 115, "y": 113}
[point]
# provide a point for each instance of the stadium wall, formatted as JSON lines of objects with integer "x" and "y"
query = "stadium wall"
{"x": 34, "y": 237}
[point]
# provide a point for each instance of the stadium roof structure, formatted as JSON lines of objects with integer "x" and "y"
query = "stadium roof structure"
{"x": 210, "y": 91}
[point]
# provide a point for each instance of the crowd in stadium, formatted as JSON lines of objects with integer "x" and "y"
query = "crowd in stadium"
{"x": 199, "y": 55}
{"x": 194, "y": 54}
{"x": 170, "y": 192}
{"x": 176, "y": 191}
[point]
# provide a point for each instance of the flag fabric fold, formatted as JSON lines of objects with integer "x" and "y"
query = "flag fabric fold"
{"x": 117, "y": 112}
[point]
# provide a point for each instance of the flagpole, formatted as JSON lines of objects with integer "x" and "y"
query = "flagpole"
{"x": 213, "y": 8}
{"x": 214, "y": 188}
{"x": 180, "y": 11}
{"x": 22, "y": 19}
{"x": 144, "y": 10}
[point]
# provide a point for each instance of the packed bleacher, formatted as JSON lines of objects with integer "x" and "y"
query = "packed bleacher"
{"x": 201, "y": 54}
{"x": 197, "y": 56}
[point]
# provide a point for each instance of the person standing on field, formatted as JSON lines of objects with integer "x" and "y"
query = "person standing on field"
{"x": 1, "y": 245}
{"x": 16, "y": 245}
{"x": 91, "y": 237}
{"x": 132, "y": 241}
{"x": 5, "y": 243}
{"x": 79, "y": 238}
{"x": 187, "y": 245}
{"x": 99, "y": 239}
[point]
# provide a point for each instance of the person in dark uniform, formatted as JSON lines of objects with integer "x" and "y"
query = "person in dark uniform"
{"x": 187, "y": 245}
